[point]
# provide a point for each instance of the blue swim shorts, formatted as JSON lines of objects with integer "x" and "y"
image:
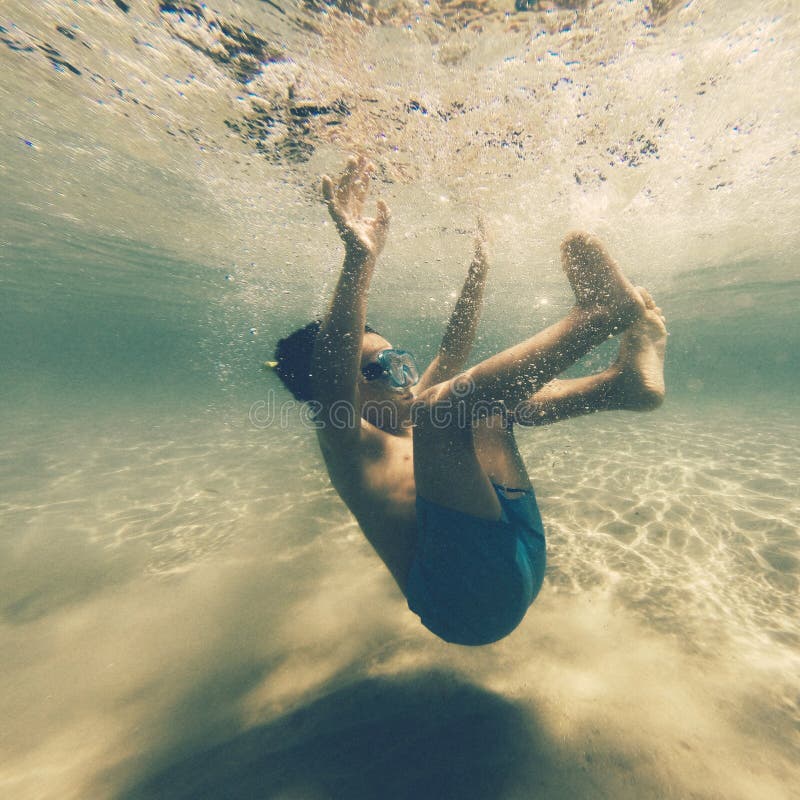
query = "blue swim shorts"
{"x": 473, "y": 579}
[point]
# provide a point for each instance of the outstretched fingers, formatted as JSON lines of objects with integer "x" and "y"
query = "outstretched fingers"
{"x": 480, "y": 258}
{"x": 329, "y": 195}
{"x": 353, "y": 186}
{"x": 384, "y": 215}
{"x": 327, "y": 189}
{"x": 345, "y": 200}
{"x": 480, "y": 227}
{"x": 346, "y": 178}
{"x": 361, "y": 185}
{"x": 346, "y": 195}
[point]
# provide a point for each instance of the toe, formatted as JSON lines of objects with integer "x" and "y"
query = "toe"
{"x": 647, "y": 297}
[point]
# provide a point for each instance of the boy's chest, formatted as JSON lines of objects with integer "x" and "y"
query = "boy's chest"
{"x": 389, "y": 478}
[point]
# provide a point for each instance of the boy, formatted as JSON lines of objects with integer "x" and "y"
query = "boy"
{"x": 428, "y": 463}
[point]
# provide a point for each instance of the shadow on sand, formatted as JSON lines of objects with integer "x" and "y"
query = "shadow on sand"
{"x": 429, "y": 735}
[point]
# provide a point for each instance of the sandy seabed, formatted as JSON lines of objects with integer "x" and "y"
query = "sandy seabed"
{"x": 184, "y": 616}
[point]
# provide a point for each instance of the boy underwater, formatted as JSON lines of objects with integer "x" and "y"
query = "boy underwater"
{"x": 428, "y": 463}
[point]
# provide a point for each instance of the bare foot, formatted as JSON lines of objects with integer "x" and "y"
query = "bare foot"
{"x": 639, "y": 381}
{"x": 598, "y": 283}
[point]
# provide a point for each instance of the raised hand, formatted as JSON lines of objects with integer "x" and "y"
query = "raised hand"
{"x": 480, "y": 259}
{"x": 459, "y": 335}
{"x": 363, "y": 237}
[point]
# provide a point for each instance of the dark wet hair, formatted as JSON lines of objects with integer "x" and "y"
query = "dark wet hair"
{"x": 293, "y": 354}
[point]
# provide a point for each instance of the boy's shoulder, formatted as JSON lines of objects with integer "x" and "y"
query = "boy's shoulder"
{"x": 367, "y": 449}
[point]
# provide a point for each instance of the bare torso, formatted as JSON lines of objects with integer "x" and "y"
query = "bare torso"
{"x": 377, "y": 484}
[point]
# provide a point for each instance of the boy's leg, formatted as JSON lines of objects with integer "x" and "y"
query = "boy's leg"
{"x": 498, "y": 454}
{"x": 635, "y": 382}
{"x": 446, "y": 466}
{"x": 447, "y": 469}
{"x": 607, "y": 303}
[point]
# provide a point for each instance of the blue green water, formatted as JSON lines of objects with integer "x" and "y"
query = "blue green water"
{"x": 186, "y": 607}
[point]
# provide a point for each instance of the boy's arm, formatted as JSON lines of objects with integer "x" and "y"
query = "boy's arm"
{"x": 459, "y": 336}
{"x": 335, "y": 363}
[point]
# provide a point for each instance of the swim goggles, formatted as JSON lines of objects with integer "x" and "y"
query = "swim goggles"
{"x": 397, "y": 367}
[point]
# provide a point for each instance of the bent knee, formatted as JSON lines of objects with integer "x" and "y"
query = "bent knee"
{"x": 454, "y": 388}
{"x": 459, "y": 391}
{"x": 437, "y": 404}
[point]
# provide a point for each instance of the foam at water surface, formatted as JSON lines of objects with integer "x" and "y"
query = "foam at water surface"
{"x": 672, "y": 133}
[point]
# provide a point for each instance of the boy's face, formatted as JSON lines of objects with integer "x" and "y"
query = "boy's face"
{"x": 377, "y": 393}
